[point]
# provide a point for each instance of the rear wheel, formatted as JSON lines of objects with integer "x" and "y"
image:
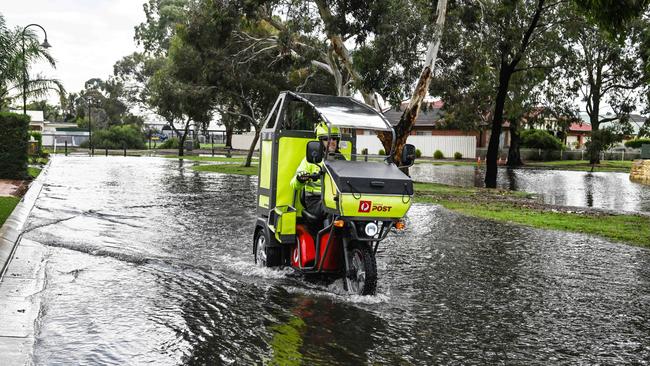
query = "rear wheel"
{"x": 362, "y": 279}
{"x": 266, "y": 254}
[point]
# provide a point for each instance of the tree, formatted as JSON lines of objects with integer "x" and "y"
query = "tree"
{"x": 471, "y": 69}
{"x": 609, "y": 75}
{"x": 178, "y": 93}
{"x": 12, "y": 67}
{"x": 387, "y": 36}
{"x": 51, "y": 113}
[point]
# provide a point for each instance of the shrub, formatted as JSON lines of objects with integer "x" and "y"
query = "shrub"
{"x": 540, "y": 139}
{"x": 382, "y": 152}
{"x": 118, "y": 137}
{"x": 13, "y": 145}
{"x": 438, "y": 155}
{"x": 418, "y": 153}
{"x": 364, "y": 151}
{"x": 636, "y": 143}
{"x": 458, "y": 155}
{"x": 170, "y": 143}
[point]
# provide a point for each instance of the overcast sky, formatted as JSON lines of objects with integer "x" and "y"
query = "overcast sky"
{"x": 87, "y": 36}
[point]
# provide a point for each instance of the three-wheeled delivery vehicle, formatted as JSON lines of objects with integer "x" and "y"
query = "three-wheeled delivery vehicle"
{"x": 361, "y": 200}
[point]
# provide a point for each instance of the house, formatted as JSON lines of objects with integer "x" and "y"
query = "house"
{"x": 59, "y": 133}
{"x": 430, "y": 121}
{"x": 36, "y": 122}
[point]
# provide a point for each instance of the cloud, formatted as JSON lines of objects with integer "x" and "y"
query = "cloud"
{"x": 87, "y": 37}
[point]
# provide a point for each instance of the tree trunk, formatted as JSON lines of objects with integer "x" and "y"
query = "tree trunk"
{"x": 229, "y": 131}
{"x": 514, "y": 154}
{"x": 410, "y": 115}
{"x": 594, "y": 156}
{"x": 249, "y": 157}
{"x": 493, "y": 148}
{"x": 181, "y": 144}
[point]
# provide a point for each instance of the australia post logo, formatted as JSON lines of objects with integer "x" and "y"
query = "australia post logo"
{"x": 367, "y": 206}
{"x": 364, "y": 206}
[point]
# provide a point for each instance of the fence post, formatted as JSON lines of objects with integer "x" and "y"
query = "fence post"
{"x": 212, "y": 138}
{"x": 124, "y": 147}
{"x": 106, "y": 151}
{"x": 66, "y": 147}
{"x": 622, "y": 155}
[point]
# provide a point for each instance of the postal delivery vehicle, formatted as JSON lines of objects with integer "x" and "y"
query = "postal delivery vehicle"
{"x": 363, "y": 199}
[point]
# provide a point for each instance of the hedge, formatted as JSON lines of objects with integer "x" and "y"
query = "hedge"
{"x": 117, "y": 137}
{"x": 540, "y": 139}
{"x": 13, "y": 145}
{"x": 636, "y": 143}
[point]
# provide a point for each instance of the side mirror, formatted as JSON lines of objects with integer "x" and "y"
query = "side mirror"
{"x": 408, "y": 155}
{"x": 314, "y": 152}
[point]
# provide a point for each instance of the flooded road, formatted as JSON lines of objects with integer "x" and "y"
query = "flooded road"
{"x": 151, "y": 262}
{"x": 607, "y": 190}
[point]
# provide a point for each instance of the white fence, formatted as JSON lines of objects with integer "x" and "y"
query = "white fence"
{"x": 243, "y": 141}
{"x": 449, "y": 145}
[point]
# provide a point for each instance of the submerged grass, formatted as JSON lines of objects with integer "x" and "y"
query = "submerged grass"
{"x": 510, "y": 206}
{"x": 7, "y": 205}
{"x": 583, "y": 165}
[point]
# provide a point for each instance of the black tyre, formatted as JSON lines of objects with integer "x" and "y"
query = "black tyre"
{"x": 363, "y": 269}
{"x": 266, "y": 253}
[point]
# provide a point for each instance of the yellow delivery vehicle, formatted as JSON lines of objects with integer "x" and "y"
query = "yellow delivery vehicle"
{"x": 322, "y": 209}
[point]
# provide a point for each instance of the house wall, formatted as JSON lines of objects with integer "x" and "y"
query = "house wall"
{"x": 465, "y": 145}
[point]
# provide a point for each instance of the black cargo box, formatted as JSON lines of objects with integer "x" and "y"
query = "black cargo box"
{"x": 369, "y": 177}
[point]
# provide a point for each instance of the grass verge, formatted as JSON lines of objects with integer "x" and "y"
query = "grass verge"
{"x": 7, "y": 205}
{"x": 513, "y": 207}
{"x": 227, "y": 169}
{"x": 631, "y": 229}
{"x": 33, "y": 172}
{"x": 220, "y": 159}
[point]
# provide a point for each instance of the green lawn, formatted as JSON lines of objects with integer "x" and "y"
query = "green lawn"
{"x": 630, "y": 229}
{"x": 33, "y": 172}
{"x": 220, "y": 159}
{"x": 7, "y": 205}
{"x": 227, "y": 169}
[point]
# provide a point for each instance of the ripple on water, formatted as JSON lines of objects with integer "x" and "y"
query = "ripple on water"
{"x": 150, "y": 262}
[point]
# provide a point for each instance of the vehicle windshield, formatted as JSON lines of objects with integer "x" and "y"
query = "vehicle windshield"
{"x": 346, "y": 112}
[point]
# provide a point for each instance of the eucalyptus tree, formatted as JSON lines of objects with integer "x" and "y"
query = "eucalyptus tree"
{"x": 610, "y": 76}
{"x": 380, "y": 49}
{"x": 177, "y": 91}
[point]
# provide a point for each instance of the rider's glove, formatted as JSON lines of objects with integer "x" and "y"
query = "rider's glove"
{"x": 303, "y": 177}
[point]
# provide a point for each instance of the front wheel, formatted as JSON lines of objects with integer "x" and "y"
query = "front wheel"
{"x": 362, "y": 277}
{"x": 265, "y": 254}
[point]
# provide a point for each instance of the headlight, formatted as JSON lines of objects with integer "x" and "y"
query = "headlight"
{"x": 371, "y": 229}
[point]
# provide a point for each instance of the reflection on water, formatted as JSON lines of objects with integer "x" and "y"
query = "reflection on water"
{"x": 601, "y": 190}
{"x": 150, "y": 262}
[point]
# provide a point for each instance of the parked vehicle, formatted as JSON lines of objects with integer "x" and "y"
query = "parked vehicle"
{"x": 364, "y": 200}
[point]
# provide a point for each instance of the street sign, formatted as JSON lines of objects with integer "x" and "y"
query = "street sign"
{"x": 645, "y": 151}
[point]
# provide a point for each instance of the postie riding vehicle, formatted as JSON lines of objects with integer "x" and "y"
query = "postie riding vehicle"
{"x": 361, "y": 200}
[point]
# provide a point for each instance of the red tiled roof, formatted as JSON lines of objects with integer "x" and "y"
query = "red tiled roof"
{"x": 580, "y": 127}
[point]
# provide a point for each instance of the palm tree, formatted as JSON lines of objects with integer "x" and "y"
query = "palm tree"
{"x": 12, "y": 67}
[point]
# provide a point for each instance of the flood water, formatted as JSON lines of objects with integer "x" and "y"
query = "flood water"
{"x": 607, "y": 190}
{"x": 151, "y": 262}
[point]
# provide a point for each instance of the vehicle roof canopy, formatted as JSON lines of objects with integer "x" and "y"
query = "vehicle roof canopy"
{"x": 345, "y": 112}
